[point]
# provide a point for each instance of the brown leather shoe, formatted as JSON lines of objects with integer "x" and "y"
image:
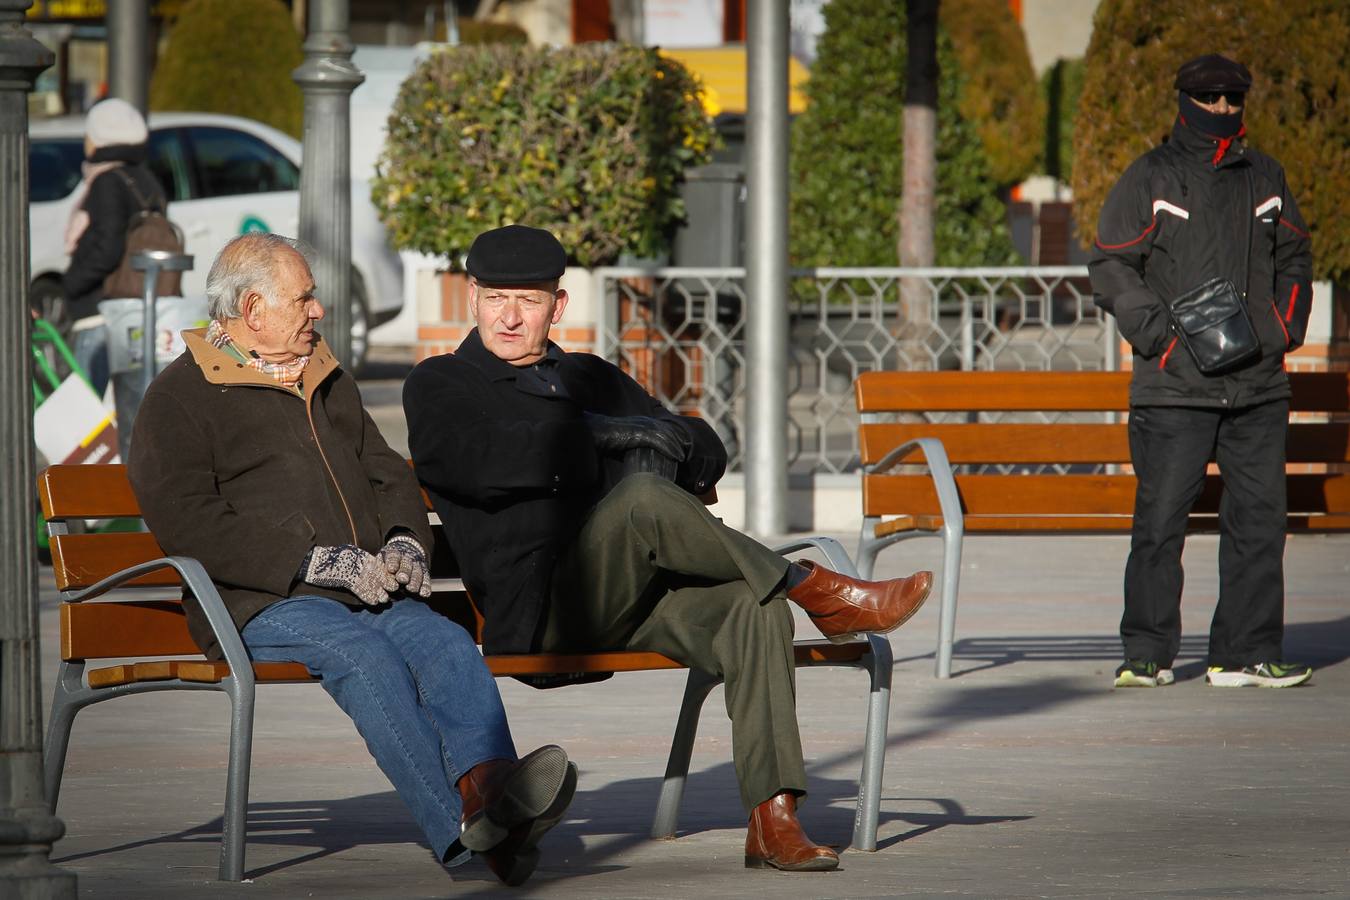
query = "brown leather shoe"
{"x": 775, "y": 839}
{"x": 499, "y": 794}
{"x": 514, "y": 859}
{"x": 843, "y": 607}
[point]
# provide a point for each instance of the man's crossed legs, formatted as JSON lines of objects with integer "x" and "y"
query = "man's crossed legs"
{"x": 416, "y": 687}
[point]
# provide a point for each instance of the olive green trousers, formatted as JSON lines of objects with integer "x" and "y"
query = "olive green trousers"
{"x": 652, "y": 569}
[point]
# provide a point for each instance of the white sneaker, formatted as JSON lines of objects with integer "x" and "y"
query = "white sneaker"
{"x": 1269, "y": 674}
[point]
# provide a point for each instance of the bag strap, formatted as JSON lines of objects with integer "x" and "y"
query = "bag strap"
{"x": 145, "y": 205}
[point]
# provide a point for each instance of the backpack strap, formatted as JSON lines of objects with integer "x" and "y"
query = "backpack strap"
{"x": 141, "y": 200}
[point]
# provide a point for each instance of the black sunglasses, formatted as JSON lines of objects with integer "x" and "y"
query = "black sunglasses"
{"x": 1235, "y": 98}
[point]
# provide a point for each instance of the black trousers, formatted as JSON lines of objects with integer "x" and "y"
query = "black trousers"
{"x": 1170, "y": 447}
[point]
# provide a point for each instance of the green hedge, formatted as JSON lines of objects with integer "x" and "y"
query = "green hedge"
{"x": 1000, "y": 94}
{"x": 1298, "y": 110}
{"x": 590, "y": 142}
{"x": 847, "y": 159}
{"x": 1061, "y": 85}
{"x": 234, "y": 57}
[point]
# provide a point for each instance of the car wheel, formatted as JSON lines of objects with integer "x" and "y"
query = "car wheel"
{"x": 360, "y": 324}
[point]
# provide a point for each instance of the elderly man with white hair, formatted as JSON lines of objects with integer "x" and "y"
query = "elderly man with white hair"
{"x": 252, "y": 453}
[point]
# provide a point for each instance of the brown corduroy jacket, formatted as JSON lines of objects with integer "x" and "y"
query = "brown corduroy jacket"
{"x": 247, "y": 476}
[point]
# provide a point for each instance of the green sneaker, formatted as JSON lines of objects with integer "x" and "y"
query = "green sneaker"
{"x": 1267, "y": 674}
{"x": 1137, "y": 673}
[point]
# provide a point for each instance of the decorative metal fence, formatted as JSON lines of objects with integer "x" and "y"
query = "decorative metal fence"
{"x": 681, "y": 332}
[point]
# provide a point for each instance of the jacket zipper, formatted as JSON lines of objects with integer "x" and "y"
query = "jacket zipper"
{"x": 1162, "y": 363}
{"x": 309, "y": 413}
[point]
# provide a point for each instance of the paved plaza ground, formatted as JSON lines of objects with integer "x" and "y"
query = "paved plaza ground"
{"x": 1025, "y": 775}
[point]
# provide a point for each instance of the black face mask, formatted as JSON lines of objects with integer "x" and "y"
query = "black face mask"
{"x": 1216, "y": 125}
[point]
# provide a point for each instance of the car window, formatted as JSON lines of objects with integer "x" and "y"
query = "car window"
{"x": 168, "y": 160}
{"x": 53, "y": 167}
{"x": 233, "y": 162}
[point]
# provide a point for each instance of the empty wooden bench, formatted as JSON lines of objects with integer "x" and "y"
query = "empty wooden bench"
{"x": 121, "y": 636}
{"x": 1044, "y": 453}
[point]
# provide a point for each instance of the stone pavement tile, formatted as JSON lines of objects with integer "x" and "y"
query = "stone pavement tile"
{"x": 1025, "y": 775}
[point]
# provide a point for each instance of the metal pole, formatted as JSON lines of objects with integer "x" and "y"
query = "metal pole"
{"x": 27, "y": 829}
{"x": 328, "y": 78}
{"x": 766, "y": 268}
{"x": 128, "y": 52}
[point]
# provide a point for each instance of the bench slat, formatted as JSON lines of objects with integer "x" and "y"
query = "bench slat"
{"x": 1086, "y": 495}
{"x": 82, "y": 560}
{"x": 958, "y": 391}
{"x": 115, "y": 629}
{"x": 1028, "y": 443}
{"x": 87, "y": 492}
{"x": 1327, "y": 392}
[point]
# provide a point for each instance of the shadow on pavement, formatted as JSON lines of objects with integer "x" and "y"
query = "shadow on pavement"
{"x": 601, "y": 824}
{"x": 1318, "y": 644}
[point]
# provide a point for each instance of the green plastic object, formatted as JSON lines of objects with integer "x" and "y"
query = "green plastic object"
{"x": 45, "y": 382}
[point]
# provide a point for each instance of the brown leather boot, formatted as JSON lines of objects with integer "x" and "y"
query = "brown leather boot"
{"x": 843, "y": 607}
{"x": 775, "y": 839}
{"x": 498, "y": 795}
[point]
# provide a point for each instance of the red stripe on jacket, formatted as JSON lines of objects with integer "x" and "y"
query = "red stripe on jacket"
{"x": 1152, "y": 225}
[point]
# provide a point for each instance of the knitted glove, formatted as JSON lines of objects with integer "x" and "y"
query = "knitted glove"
{"x": 619, "y": 433}
{"x": 404, "y": 558}
{"x": 350, "y": 568}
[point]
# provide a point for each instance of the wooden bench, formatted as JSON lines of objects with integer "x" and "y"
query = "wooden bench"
{"x": 122, "y": 634}
{"x": 1002, "y": 458}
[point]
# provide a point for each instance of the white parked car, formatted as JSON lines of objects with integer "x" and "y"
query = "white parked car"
{"x": 224, "y": 176}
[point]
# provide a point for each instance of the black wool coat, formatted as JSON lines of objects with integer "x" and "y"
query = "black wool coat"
{"x": 110, "y": 205}
{"x": 512, "y": 470}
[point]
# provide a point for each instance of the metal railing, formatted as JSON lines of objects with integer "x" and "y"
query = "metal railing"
{"x": 681, "y": 333}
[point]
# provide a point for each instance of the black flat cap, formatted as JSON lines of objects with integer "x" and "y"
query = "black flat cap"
{"x": 516, "y": 254}
{"x": 1212, "y": 72}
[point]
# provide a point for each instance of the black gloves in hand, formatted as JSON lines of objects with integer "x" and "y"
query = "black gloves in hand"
{"x": 404, "y": 558}
{"x": 350, "y": 568}
{"x": 620, "y": 433}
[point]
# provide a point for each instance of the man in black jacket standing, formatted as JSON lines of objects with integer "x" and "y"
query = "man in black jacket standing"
{"x": 522, "y": 448}
{"x": 1203, "y": 206}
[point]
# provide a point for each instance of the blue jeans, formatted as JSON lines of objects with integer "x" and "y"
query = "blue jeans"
{"x": 412, "y": 681}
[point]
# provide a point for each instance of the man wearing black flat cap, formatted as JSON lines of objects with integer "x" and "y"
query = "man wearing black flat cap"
{"x": 1197, "y": 226}
{"x": 522, "y": 449}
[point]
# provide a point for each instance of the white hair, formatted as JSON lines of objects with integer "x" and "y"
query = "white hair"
{"x": 246, "y": 263}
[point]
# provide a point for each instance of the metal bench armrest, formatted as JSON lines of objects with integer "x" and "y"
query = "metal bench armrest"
{"x": 199, "y": 584}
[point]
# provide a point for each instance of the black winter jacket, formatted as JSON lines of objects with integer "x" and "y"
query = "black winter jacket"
{"x": 111, "y": 205}
{"x": 1178, "y": 218}
{"x": 512, "y": 471}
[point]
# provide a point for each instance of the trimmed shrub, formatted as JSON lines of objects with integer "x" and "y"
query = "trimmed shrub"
{"x": 590, "y": 142}
{"x": 1298, "y": 110}
{"x": 847, "y": 152}
{"x": 1061, "y": 85}
{"x": 1000, "y": 94}
{"x": 472, "y": 31}
{"x": 234, "y": 57}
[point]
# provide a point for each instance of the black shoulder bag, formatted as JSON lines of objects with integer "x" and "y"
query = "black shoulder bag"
{"x": 1212, "y": 319}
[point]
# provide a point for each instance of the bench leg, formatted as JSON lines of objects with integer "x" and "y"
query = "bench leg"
{"x": 696, "y": 690}
{"x": 878, "y": 665}
{"x": 868, "y": 547}
{"x": 951, "y": 583}
{"x": 69, "y": 682}
{"x": 233, "y": 830}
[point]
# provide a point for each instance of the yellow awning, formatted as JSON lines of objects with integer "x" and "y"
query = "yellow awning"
{"x": 722, "y": 71}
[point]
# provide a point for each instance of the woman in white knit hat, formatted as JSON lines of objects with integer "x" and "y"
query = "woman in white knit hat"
{"x": 116, "y": 186}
